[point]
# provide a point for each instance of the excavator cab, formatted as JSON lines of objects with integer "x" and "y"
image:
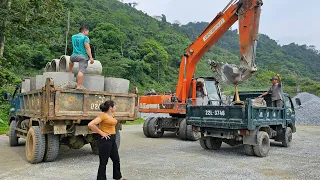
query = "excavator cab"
{"x": 208, "y": 91}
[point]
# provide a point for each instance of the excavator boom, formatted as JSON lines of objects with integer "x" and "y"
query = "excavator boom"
{"x": 247, "y": 12}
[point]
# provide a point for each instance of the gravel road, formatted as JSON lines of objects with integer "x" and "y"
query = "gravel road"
{"x": 170, "y": 158}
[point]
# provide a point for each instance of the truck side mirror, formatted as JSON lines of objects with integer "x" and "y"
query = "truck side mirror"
{"x": 298, "y": 101}
{"x": 6, "y": 96}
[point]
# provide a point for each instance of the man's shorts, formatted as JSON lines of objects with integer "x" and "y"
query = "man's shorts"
{"x": 277, "y": 103}
{"x": 83, "y": 62}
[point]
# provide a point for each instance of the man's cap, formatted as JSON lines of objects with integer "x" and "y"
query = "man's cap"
{"x": 273, "y": 78}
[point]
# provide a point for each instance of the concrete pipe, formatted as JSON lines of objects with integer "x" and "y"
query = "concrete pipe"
{"x": 92, "y": 69}
{"x": 58, "y": 77}
{"x": 116, "y": 85}
{"x": 55, "y": 65}
{"x": 25, "y": 85}
{"x": 36, "y": 82}
{"x": 93, "y": 82}
{"x": 48, "y": 67}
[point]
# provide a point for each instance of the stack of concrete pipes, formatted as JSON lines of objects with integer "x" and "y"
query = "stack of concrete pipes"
{"x": 58, "y": 70}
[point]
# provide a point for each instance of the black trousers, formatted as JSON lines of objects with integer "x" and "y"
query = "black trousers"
{"x": 108, "y": 148}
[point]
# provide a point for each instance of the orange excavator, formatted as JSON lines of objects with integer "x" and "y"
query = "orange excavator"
{"x": 168, "y": 112}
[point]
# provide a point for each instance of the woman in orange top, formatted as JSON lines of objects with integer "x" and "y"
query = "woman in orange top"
{"x": 107, "y": 140}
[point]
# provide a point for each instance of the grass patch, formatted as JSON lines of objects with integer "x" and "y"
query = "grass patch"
{"x": 4, "y": 129}
{"x": 138, "y": 121}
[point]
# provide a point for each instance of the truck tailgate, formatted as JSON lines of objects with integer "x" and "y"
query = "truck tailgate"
{"x": 231, "y": 117}
{"x": 73, "y": 103}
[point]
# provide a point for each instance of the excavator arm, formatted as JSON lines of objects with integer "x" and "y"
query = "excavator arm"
{"x": 247, "y": 12}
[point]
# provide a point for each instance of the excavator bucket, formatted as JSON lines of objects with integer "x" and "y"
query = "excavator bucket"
{"x": 232, "y": 73}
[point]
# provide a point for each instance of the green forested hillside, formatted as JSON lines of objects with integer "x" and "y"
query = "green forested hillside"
{"x": 296, "y": 63}
{"x": 131, "y": 44}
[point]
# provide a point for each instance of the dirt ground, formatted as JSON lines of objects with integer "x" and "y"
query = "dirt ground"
{"x": 171, "y": 158}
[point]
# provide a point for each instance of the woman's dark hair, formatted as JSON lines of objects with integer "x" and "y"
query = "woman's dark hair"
{"x": 104, "y": 107}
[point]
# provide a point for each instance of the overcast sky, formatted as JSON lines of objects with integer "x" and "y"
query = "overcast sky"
{"x": 283, "y": 20}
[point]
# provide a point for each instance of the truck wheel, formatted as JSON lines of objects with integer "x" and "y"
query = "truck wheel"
{"x": 286, "y": 142}
{"x": 153, "y": 128}
{"x": 213, "y": 143}
{"x": 146, "y": 127}
{"x": 203, "y": 143}
{"x": 183, "y": 129}
{"x": 248, "y": 149}
{"x": 13, "y": 139}
{"x": 52, "y": 147}
{"x": 263, "y": 144}
{"x": 94, "y": 147}
{"x": 192, "y": 135}
{"x": 35, "y": 145}
{"x": 118, "y": 138}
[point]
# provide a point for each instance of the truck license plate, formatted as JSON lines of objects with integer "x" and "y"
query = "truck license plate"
{"x": 215, "y": 113}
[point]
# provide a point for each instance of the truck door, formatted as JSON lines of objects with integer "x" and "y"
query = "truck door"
{"x": 289, "y": 110}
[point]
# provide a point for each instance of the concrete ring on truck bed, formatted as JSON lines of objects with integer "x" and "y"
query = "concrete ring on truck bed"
{"x": 55, "y": 65}
{"x": 116, "y": 85}
{"x": 93, "y": 82}
{"x": 48, "y": 67}
{"x": 93, "y": 69}
{"x": 58, "y": 77}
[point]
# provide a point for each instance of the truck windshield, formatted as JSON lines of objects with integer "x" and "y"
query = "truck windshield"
{"x": 212, "y": 92}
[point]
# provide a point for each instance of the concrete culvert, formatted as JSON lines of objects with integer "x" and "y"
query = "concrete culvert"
{"x": 48, "y": 67}
{"x": 92, "y": 69}
{"x": 116, "y": 85}
{"x": 58, "y": 77}
{"x": 93, "y": 82}
{"x": 55, "y": 65}
{"x": 36, "y": 82}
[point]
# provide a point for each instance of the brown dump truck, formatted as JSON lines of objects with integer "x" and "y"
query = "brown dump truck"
{"x": 50, "y": 117}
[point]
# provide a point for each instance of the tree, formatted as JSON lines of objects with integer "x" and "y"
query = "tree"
{"x": 108, "y": 36}
{"x": 153, "y": 53}
{"x": 20, "y": 15}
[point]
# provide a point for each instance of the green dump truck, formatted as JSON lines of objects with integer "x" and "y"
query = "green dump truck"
{"x": 51, "y": 116}
{"x": 246, "y": 123}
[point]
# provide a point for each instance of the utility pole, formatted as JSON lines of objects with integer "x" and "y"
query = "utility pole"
{"x": 67, "y": 33}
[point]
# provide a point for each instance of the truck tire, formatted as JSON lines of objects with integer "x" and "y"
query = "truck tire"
{"x": 118, "y": 138}
{"x": 248, "y": 149}
{"x": 153, "y": 128}
{"x": 94, "y": 147}
{"x": 213, "y": 143}
{"x": 183, "y": 129}
{"x": 192, "y": 135}
{"x": 52, "y": 147}
{"x": 286, "y": 142}
{"x": 13, "y": 139}
{"x": 35, "y": 145}
{"x": 203, "y": 143}
{"x": 146, "y": 127}
{"x": 263, "y": 144}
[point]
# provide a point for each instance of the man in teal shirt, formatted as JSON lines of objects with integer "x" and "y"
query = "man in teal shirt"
{"x": 81, "y": 53}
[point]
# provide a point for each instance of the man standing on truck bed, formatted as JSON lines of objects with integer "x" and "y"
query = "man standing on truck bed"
{"x": 81, "y": 53}
{"x": 276, "y": 90}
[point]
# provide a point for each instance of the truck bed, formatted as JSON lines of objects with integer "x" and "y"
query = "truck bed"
{"x": 69, "y": 104}
{"x": 235, "y": 116}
